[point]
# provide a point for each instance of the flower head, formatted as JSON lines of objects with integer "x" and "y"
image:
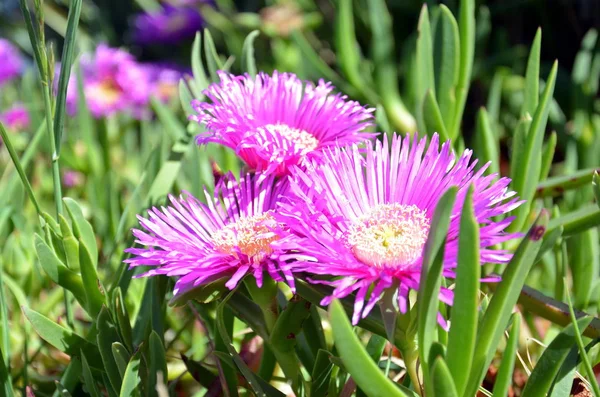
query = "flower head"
{"x": 199, "y": 243}
{"x": 164, "y": 80}
{"x": 359, "y": 223}
{"x": 113, "y": 82}
{"x": 168, "y": 25}
{"x": 16, "y": 118}
{"x": 275, "y": 122}
{"x": 11, "y": 62}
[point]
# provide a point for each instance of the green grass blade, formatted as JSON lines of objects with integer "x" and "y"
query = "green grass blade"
{"x": 501, "y": 305}
{"x": 92, "y": 286}
{"x": 504, "y": 378}
{"x": 431, "y": 277}
{"x": 433, "y": 118}
{"x": 88, "y": 379}
{"x": 424, "y": 65}
{"x": 542, "y": 377}
{"x": 5, "y": 327}
{"x": 212, "y": 58}
{"x": 584, "y": 262}
{"x": 466, "y": 29}
{"x": 446, "y": 58}
{"x": 548, "y": 156}
{"x": 443, "y": 385}
{"x": 465, "y": 310}
{"x": 65, "y": 70}
{"x": 349, "y": 57}
{"x": 173, "y": 127}
{"x": 357, "y": 362}
{"x": 131, "y": 379}
{"x": 107, "y": 334}
{"x": 577, "y": 221}
{"x": 5, "y": 378}
{"x": 200, "y": 81}
{"x": 19, "y": 167}
{"x": 532, "y": 76}
{"x": 487, "y": 144}
{"x": 158, "y": 360}
{"x": 248, "y": 59}
{"x": 557, "y": 185}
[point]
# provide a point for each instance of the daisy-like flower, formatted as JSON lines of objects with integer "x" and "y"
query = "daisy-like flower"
{"x": 275, "y": 122}
{"x": 11, "y": 62}
{"x": 358, "y": 223}
{"x": 227, "y": 238}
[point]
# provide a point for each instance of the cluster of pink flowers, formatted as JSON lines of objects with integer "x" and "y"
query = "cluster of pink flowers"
{"x": 319, "y": 201}
{"x": 114, "y": 82}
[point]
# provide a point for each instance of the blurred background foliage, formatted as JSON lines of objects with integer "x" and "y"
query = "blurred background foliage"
{"x": 117, "y": 166}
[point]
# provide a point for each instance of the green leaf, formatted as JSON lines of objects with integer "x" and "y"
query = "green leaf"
{"x": 431, "y": 277}
{"x": 107, "y": 334}
{"x": 173, "y": 127}
{"x": 61, "y": 338}
{"x": 433, "y": 118}
{"x": 424, "y": 64}
{"x": 158, "y": 360}
{"x": 446, "y": 58}
{"x": 121, "y": 357}
{"x": 464, "y": 317}
{"x": 596, "y": 187}
{"x": 321, "y": 374}
{"x": 19, "y": 167}
{"x": 88, "y": 379}
{"x": 487, "y": 144}
{"x": 532, "y": 76}
{"x": 501, "y": 305}
{"x": 548, "y": 156}
{"x": 466, "y": 29}
{"x": 199, "y": 372}
{"x": 82, "y": 228}
{"x": 212, "y": 58}
{"x": 547, "y": 367}
{"x": 200, "y": 81}
{"x": 528, "y": 167}
{"x": 92, "y": 286}
{"x": 58, "y": 272}
{"x": 65, "y": 70}
{"x": 70, "y": 244}
{"x": 4, "y": 329}
{"x": 348, "y": 55}
{"x": 357, "y": 362}
{"x": 504, "y": 378}
{"x": 131, "y": 379}
{"x": 577, "y": 221}
{"x": 443, "y": 385}
{"x": 289, "y": 324}
{"x": 185, "y": 98}
{"x": 5, "y": 378}
{"x": 248, "y": 60}
{"x": 585, "y": 266}
{"x": 123, "y": 321}
{"x": 61, "y": 390}
{"x": 557, "y": 185}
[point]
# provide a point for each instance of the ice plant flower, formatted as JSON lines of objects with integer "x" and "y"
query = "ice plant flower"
{"x": 168, "y": 25}
{"x": 227, "y": 238}
{"x": 11, "y": 62}
{"x": 16, "y": 118}
{"x": 113, "y": 82}
{"x": 274, "y": 122}
{"x": 358, "y": 223}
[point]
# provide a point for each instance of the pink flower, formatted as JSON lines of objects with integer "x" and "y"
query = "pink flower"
{"x": 359, "y": 224}
{"x": 16, "y": 118}
{"x": 200, "y": 243}
{"x": 275, "y": 122}
{"x": 11, "y": 62}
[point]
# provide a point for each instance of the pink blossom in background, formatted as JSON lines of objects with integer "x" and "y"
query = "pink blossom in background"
{"x": 358, "y": 223}
{"x": 16, "y": 118}
{"x": 11, "y": 62}
{"x": 275, "y": 122}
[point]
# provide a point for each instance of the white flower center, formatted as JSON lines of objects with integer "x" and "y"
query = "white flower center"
{"x": 252, "y": 236}
{"x": 303, "y": 141}
{"x": 389, "y": 235}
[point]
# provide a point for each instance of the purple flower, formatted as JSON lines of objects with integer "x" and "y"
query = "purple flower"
{"x": 164, "y": 81}
{"x": 358, "y": 223}
{"x": 274, "y": 122}
{"x": 11, "y": 62}
{"x": 200, "y": 243}
{"x": 169, "y": 25}
{"x": 113, "y": 82}
{"x": 16, "y": 118}
{"x": 72, "y": 178}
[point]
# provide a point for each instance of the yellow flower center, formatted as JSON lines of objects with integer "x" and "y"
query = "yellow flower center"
{"x": 106, "y": 91}
{"x": 389, "y": 235}
{"x": 252, "y": 236}
{"x": 302, "y": 140}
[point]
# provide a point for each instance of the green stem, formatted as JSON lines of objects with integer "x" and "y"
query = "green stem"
{"x": 410, "y": 355}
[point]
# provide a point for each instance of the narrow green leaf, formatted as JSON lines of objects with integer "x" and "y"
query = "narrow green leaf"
{"x": 212, "y": 58}
{"x": 549, "y": 364}
{"x": 431, "y": 277}
{"x": 19, "y": 167}
{"x": 173, "y": 127}
{"x": 289, "y": 324}
{"x": 357, "y": 362}
{"x": 596, "y": 187}
{"x": 433, "y": 118}
{"x": 61, "y": 338}
{"x": 107, "y": 334}
{"x": 504, "y": 378}
{"x": 88, "y": 379}
{"x": 82, "y": 228}
{"x": 92, "y": 286}
{"x": 466, "y": 29}
{"x": 446, "y": 58}
{"x": 248, "y": 60}
{"x": 121, "y": 357}
{"x": 70, "y": 244}
{"x": 131, "y": 379}
{"x": 424, "y": 64}
{"x": 61, "y": 390}
{"x": 122, "y": 316}
{"x": 487, "y": 144}
{"x": 4, "y": 327}
{"x": 200, "y": 81}
{"x": 186, "y": 98}
{"x": 158, "y": 360}
{"x": 501, "y": 305}
{"x": 443, "y": 385}
{"x": 532, "y": 76}
{"x": 547, "y": 157}
{"x": 65, "y": 70}
{"x": 199, "y": 372}
{"x": 585, "y": 266}
{"x": 577, "y": 221}
{"x": 321, "y": 374}
{"x": 464, "y": 317}
{"x": 164, "y": 180}
{"x": 557, "y": 185}
{"x": 5, "y": 378}
{"x": 349, "y": 57}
